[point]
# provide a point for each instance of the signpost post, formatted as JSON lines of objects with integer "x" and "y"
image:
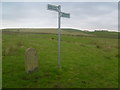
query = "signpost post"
{"x": 60, "y": 14}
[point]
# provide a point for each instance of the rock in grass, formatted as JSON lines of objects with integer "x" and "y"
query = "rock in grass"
{"x": 31, "y": 60}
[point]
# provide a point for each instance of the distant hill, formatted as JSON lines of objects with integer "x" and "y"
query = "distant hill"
{"x": 64, "y": 31}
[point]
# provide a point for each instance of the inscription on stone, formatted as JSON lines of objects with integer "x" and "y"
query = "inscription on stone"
{"x": 31, "y": 60}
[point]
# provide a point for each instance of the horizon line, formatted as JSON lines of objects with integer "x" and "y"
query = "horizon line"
{"x": 61, "y": 28}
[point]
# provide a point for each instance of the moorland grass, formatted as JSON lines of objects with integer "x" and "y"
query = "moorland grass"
{"x": 86, "y": 62}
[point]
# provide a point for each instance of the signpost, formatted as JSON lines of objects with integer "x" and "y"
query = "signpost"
{"x": 60, "y": 14}
{"x": 52, "y": 7}
{"x": 66, "y": 15}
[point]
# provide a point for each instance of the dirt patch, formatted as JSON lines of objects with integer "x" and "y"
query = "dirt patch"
{"x": 52, "y": 38}
{"x": 57, "y": 85}
{"x": 20, "y": 43}
{"x": 83, "y": 45}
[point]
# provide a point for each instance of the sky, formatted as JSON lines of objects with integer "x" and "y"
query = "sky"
{"x": 83, "y": 15}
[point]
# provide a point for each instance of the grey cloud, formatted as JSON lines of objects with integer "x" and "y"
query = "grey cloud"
{"x": 83, "y": 15}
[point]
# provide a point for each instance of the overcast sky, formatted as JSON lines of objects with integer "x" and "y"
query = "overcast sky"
{"x": 84, "y": 15}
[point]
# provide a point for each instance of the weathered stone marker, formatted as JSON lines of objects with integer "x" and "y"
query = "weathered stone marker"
{"x": 31, "y": 60}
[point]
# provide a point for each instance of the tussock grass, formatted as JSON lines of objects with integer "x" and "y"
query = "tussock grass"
{"x": 11, "y": 50}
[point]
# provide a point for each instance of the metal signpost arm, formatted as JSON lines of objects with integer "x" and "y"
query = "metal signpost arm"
{"x": 59, "y": 22}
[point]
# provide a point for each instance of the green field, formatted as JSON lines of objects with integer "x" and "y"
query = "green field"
{"x": 88, "y": 59}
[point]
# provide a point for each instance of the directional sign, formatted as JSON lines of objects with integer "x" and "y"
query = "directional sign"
{"x": 52, "y": 7}
{"x": 66, "y": 15}
{"x": 60, "y": 14}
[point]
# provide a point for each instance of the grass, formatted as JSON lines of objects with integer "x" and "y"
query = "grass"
{"x": 86, "y": 62}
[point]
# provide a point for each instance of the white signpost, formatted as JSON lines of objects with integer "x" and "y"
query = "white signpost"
{"x": 60, "y": 14}
{"x": 66, "y": 15}
{"x": 52, "y": 7}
